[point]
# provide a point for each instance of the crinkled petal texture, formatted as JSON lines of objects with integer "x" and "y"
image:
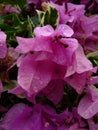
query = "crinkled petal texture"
{"x": 63, "y": 51}
{"x": 37, "y": 44}
{"x": 34, "y": 75}
{"x": 88, "y": 105}
{"x": 62, "y": 30}
{"x": 80, "y": 63}
{"x": 22, "y": 117}
{"x": 54, "y": 42}
{"x": 54, "y": 54}
{"x": 25, "y": 45}
{"x": 44, "y": 31}
{"x": 3, "y": 47}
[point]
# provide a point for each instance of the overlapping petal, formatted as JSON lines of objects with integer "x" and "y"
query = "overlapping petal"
{"x": 88, "y": 105}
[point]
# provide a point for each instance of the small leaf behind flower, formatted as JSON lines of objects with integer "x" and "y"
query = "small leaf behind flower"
{"x": 48, "y": 16}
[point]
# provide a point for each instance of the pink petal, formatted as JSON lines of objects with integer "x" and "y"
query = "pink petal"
{"x": 77, "y": 81}
{"x": 80, "y": 63}
{"x": 54, "y": 91}
{"x": 64, "y": 30}
{"x": 87, "y": 108}
{"x": 33, "y": 76}
{"x": 3, "y": 48}
{"x": 11, "y": 115}
{"x": 44, "y": 31}
{"x": 25, "y": 44}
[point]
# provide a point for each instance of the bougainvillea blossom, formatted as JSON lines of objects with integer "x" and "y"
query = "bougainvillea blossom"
{"x": 69, "y": 12}
{"x": 41, "y": 118}
{"x": 88, "y": 105}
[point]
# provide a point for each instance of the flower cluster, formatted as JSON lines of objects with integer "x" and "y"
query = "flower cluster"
{"x": 48, "y": 65}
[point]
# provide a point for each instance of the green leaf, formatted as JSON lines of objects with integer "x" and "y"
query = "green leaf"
{"x": 94, "y": 60}
{"x": 20, "y": 3}
{"x": 40, "y": 14}
{"x": 16, "y": 20}
{"x": 10, "y": 85}
{"x": 48, "y": 16}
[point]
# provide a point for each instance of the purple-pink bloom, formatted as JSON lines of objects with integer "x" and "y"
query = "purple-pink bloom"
{"x": 23, "y": 117}
{"x": 80, "y": 63}
{"x": 58, "y": 57}
{"x": 88, "y": 105}
{"x": 86, "y": 31}
{"x": 85, "y": 28}
{"x": 49, "y": 40}
{"x": 34, "y": 75}
{"x": 40, "y": 117}
{"x": 80, "y": 81}
{"x": 53, "y": 91}
{"x": 55, "y": 50}
{"x": 77, "y": 81}
{"x": 69, "y": 12}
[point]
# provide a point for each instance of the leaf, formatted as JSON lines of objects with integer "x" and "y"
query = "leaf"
{"x": 10, "y": 85}
{"x": 94, "y": 60}
{"x": 48, "y": 16}
{"x": 19, "y": 3}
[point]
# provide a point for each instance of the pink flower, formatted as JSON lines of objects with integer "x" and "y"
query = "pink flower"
{"x": 22, "y": 117}
{"x": 77, "y": 81}
{"x": 49, "y": 40}
{"x": 86, "y": 31}
{"x": 53, "y": 51}
{"x": 53, "y": 91}
{"x": 55, "y": 56}
{"x": 88, "y": 105}
{"x": 80, "y": 63}
{"x": 34, "y": 75}
{"x": 69, "y": 12}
